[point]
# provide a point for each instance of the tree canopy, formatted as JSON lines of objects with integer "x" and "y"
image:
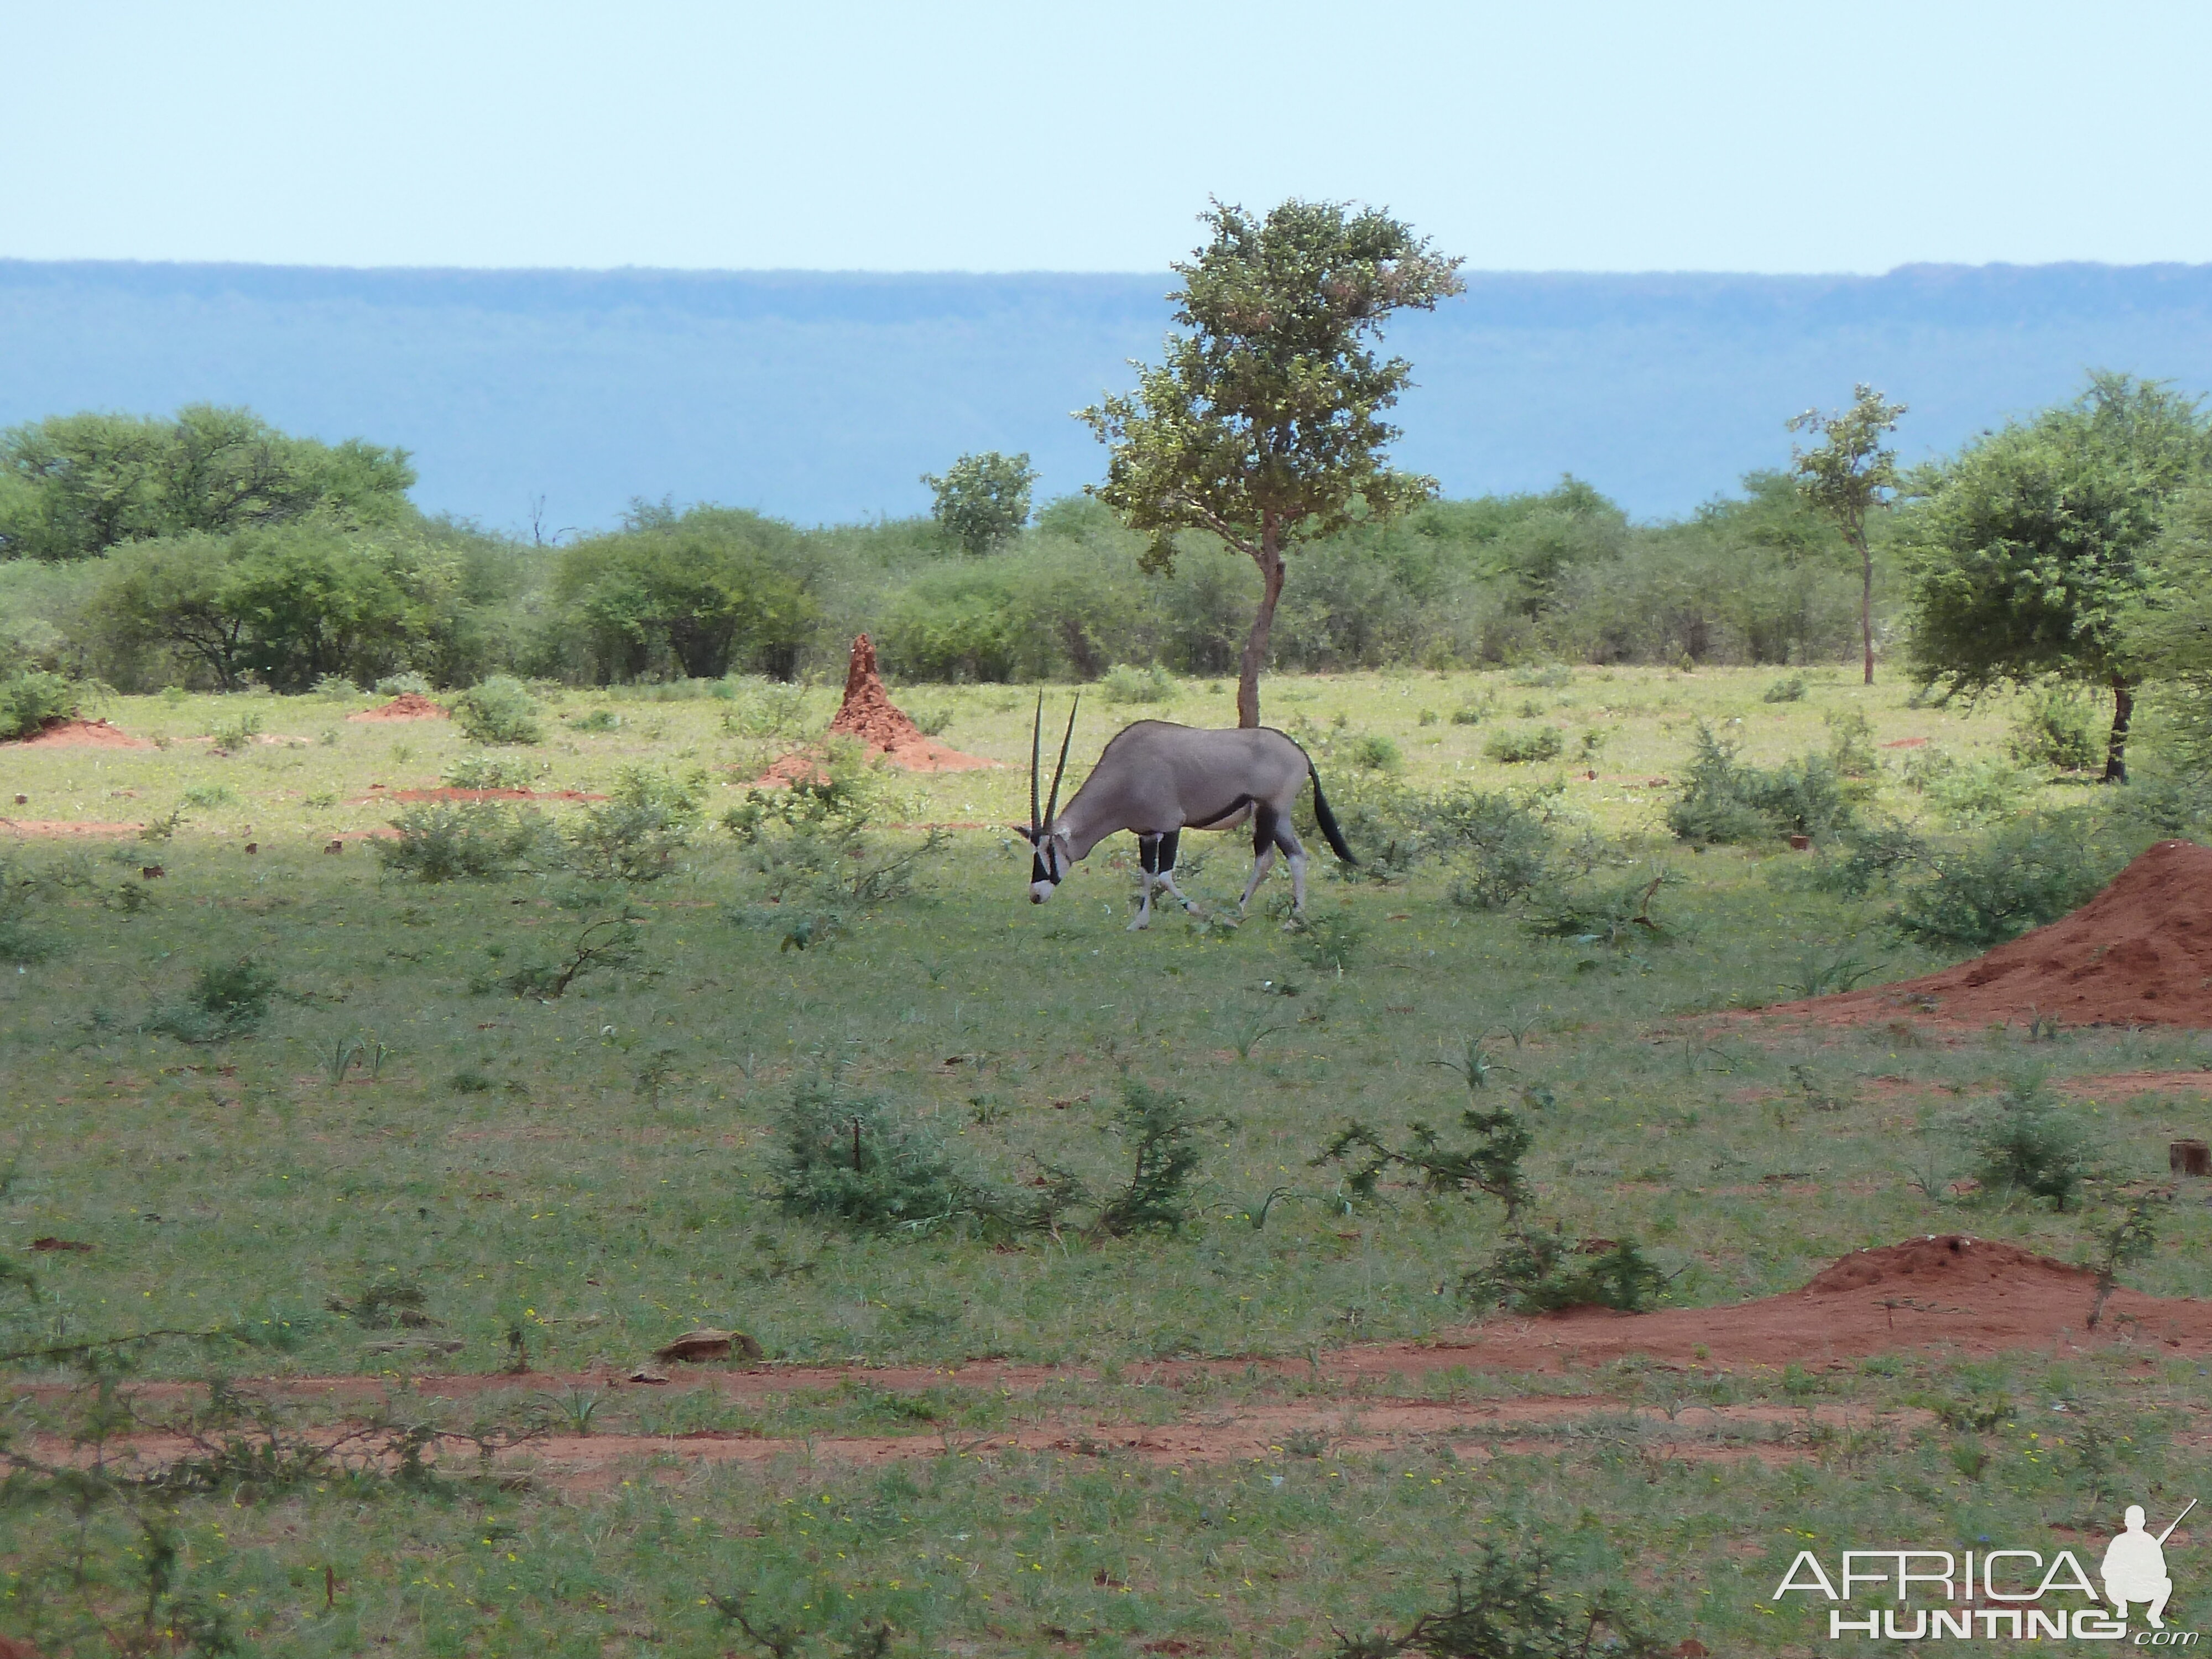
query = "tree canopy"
{"x": 2028, "y": 547}
{"x": 982, "y": 500}
{"x": 73, "y": 486}
{"x": 1264, "y": 424}
{"x": 1849, "y": 475}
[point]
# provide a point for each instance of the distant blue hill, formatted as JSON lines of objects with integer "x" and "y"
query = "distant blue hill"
{"x": 822, "y": 396}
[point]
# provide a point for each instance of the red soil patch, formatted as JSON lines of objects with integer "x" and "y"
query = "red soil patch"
{"x": 2140, "y": 953}
{"x": 477, "y": 794}
{"x": 1906, "y": 743}
{"x": 81, "y": 734}
{"x": 868, "y": 715}
{"x": 407, "y": 706}
{"x": 59, "y": 827}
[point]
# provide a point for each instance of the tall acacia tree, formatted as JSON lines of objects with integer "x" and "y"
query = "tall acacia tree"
{"x": 1851, "y": 474}
{"x": 2030, "y": 553}
{"x": 1264, "y": 425}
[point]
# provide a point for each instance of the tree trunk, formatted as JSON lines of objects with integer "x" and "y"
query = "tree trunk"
{"x": 1270, "y": 561}
{"x": 1866, "y": 603}
{"x": 2116, "y": 749}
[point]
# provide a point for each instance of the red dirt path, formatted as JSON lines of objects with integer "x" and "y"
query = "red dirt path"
{"x": 475, "y": 794}
{"x": 81, "y": 734}
{"x": 2140, "y": 953}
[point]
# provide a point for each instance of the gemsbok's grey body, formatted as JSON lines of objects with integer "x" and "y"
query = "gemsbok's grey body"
{"x": 1156, "y": 780}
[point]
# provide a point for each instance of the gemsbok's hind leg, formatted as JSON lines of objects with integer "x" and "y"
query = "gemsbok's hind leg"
{"x": 1287, "y": 840}
{"x": 1264, "y": 839}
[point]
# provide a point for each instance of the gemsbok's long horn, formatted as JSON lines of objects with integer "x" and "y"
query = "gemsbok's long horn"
{"x": 1036, "y": 747}
{"x": 1052, "y": 800}
{"x": 2175, "y": 1522}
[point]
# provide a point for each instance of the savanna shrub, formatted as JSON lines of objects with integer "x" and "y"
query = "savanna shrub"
{"x": 2056, "y": 730}
{"x": 1125, "y": 682}
{"x": 1161, "y": 1131}
{"x": 449, "y": 841}
{"x": 1540, "y": 1271}
{"x": 1518, "y": 746}
{"x": 397, "y": 685}
{"x": 1499, "y": 847}
{"x": 487, "y": 772}
{"x": 2028, "y": 872}
{"x": 863, "y": 1160}
{"x": 497, "y": 710}
{"x": 636, "y": 833}
{"x": 1473, "y": 714}
{"x": 1789, "y": 690}
{"x": 2026, "y": 1143}
{"x": 1725, "y": 801}
{"x": 29, "y": 701}
{"x": 1597, "y": 910}
{"x": 227, "y": 999}
{"x": 335, "y": 688}
{"x": 1329, "y": 939}
{"x": 1376, "y": 752}
{"x": 1874, "y": 855}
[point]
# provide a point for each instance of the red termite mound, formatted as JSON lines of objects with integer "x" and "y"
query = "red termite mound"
{"x": 868, "y": 715}
{"x": 407, "y": 706}
{"x": 2140, "y": 953}
{"x": 81, "y": 734}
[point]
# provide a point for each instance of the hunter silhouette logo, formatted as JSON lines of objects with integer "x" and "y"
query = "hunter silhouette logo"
{"x": 2135, "y": 1567}
{"x": 1998, "y": 1594}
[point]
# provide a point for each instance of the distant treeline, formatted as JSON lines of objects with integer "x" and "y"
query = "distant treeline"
{"x": 210, "y": 551}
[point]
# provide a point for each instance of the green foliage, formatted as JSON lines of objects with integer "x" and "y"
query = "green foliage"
{"x": 1265, "y": 422}
{"x": 1789, "y": 690}
{"x": 2124, "y": 1240}
{"x": 699, "y": 594}
{"x": 1329, "y": 939}
{"x": 227, "y": 999}
{"x": 487, "y": 772}
{"x": 1499, "y": 847}
{"x": 867, "y": 1162}
{"x": 1160, "y": 1133}
{"x": 1539, "y": 1271}
{"x": 636, "y": 835}
{"x": 1983, "y": 892}
{"x": 32, "y": 699}
{"x": 499, "y": 709}
{"x": 234, "y": 730}
{"x": 2026, "y": 1144}
{"x": 2032, "y": 550}
{"x": 603, "y": 944}
{"x": 982, "y": 500}
{"x": 1518, "y": 746}
{"x": 1723, "y": 800}
{"x": 1506, "y": 1606}
{"x": 2056, "y": 731}
{"x": 1489, "y": 1164}
{"x": 452, "y": 841}
{"x": 1377, "y": 752}
{"x": 1873, "y": 855}
{"x": 1596, "y": 910}
{"x": 1124, "y": 683}
{"x": 87, "y": 483}
{"x": 1851, "y": 474}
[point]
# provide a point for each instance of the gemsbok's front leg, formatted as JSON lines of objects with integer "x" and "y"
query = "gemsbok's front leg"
{"x": 1148, "y": 856}
{"x": 1168, "y": 843}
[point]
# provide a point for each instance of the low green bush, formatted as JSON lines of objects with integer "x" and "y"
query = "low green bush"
{"x": 866, "y": 1161}
{"x": 498, "y": 710}
{"x": 1161, "y": 1133}
{"x": 1983, "y": 892}
{"x": 1723, "y": 801}
{"x": 2057, "y": 729}
{"x": 1789, "y": 690}
{"x": 32, "y": 699}
{"x": 1597, "y": 910}
{"x": 225, "y": 999}
{"x": 636, "y": 835}
{"x": 1125, "y": 682}
{"x": 1376, "y": 752}
{"x": 451, "y": 840}
{"x": 487, "y": 772}
{"x": 398, "y": 685}
{"x": 2026, "y": 1144}
{"x": 1518, "y": 746}
{"x": 1473, "y": 714}
{"x": 1542, "y": 1271}
{"x": 1498, "y": 847}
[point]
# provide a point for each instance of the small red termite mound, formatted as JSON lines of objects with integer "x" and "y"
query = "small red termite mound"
{"x": 868, "y": 716}
{"x": 81, "y": 734}
{"x": 407, "y": 706}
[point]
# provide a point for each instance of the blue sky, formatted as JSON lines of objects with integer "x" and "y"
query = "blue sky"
{"x": 1046, "y": 136}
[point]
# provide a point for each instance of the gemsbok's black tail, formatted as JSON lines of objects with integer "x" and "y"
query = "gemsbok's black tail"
{"x": 1325, "y": 818}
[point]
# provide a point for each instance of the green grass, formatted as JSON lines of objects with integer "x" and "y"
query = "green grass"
{"x": 593, "y": 1171}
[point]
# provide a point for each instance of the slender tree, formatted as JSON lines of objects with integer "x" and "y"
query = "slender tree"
{"x": 2032, "y": 549}
{"x": 983, "y": 500}
{"x": 1264, "y": 424}
{"x": 1848, "y": 476}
